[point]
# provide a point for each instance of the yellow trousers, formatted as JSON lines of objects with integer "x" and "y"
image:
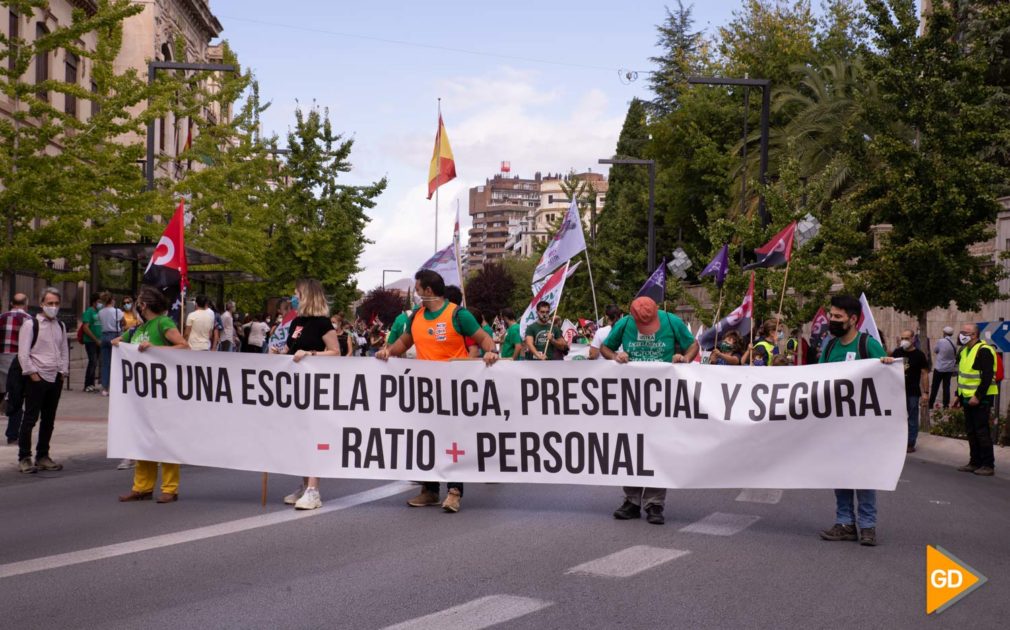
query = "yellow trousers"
{"x": 145, "y": 474}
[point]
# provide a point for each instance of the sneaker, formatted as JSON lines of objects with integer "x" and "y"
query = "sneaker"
{"x": 105, "y": 393}
{"x": 89, "y": 388}
{"x": 309, "y": 501}
{"x": 868, "y": 536}
{"x": 627, "y": 511}
{"x": 126, "y": 464}
{"x": 984, "y": 471}
{"x": 25, "y": 466}
{"x": 969, "y": 468}
{"x": 839, "y": 532}
{"x": 46, "y": 463}
{"x": 451, "y": 503}
{"x": 292, "y": 498}
{"x": 910, "y": 449}
{"x": 654, "y": 514}
{"x": 424, "y": 498}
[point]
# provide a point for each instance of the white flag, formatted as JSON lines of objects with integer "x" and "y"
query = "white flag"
{"x": 568, "y": 330}
{"x": 868, "y": 325}
{"x": 444, "y": 263}
{"x": 539, "y": 284}
{"x": 551, "y": 293}
{"x": 566, "y": 244}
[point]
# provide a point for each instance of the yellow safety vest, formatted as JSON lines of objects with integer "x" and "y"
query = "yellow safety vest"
{"x": 968, "y": 378}
{"x": 769, "y": 349}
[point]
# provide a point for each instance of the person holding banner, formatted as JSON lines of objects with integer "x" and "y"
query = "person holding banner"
{"x": 310, "y": 334}
{"x": 439, "y": 329}
{"x": 648, "y": 334}
{"x": 613, "y": 313}
{"x": 158, "y": 330}
{"x": 548, "y": 336}
{"x": 848, "y": 344}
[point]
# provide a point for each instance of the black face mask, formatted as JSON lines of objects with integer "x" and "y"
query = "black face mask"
{"x": 838, "y": 329}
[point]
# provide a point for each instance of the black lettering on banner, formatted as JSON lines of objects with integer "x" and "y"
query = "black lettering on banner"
{"x": 319, "y": 390}
{"x": 183, "y": 386}
{"x": 223, "y": 392}
{"x": 607, "y": 396}
{"x": 504, "y": 452}
{"x": 425, "y": 401}
{"x": 485, "y": 449}
{"x": 406, "y": 386}
{"x": 469, "y": 387}
{"x": 410, "y": 449}
{"x": 203, "y": 381}
{"x": 868, "y": 398}
{"x": 777, "y": 398}
{"x": 798, "y": 401}
{"x": 126, "y": 369}
{"x": 359, "y": 395}
{"x": 599, "y": 453}
{"x": 758, "y": 414}
{"x": 529, "y": 450}
{"x": 283, "y": 396}
{"x": 622, "y": 455}
{"x": 303, "y": 395}
{"x": 550, "y": 439}
{"x": 439, "y": 409}
{"x": 266, "y": 388}
{"x": 549, "y": 394}
{"x": 825, "y": 397}
{"x": 394, "y": 445}
{"x": 140, "y": 384}
{"x": 351, "y": 445}
{"x": 569, "y": 394}
{"x": 653, "y": 392}
{"x": 387, "y": 389}
{"x": 573, "y": 450}
{"x": 159, "y": 374}
{"x": 698, "y": 413}
{"x": 337, "y": 405}
{"x": 845, "y": 395}
{"x": 425, "y": 447}
{"x": 247, "y": 387}
{"x": 530, "y": 391}
{"x": 729, "y": 399}
{"x": 682, "y": 404}
{"x": 491, "y": 404}
{"x": 592, "y": 405}
{"x": 631, "y": 394}
{"x": 642, "y": 470}
{"x": 374, "y": 452}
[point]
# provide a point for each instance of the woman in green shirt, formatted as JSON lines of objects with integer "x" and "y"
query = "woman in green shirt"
{"x": 157, "y": 330}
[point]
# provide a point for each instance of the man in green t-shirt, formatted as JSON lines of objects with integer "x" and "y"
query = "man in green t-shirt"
{"x": 851, "y": 345}
{"x": 544, "y": 341}
{"x": 398, "y": 328}
{"x": 92, "y": 333}
{"x": 648, "y": 334}
{"x": 512, "y": 345}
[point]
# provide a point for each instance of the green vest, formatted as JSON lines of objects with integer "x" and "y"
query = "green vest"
{"x": 769, "y": 349}
{"x": 968, "y": 378}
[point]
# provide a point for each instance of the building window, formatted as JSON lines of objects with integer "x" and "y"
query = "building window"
{"x": 96, "y": 107}
{"x": 70, "y": 101}
{"x": 13, "y": 32}
{"x": 41, "y": 62}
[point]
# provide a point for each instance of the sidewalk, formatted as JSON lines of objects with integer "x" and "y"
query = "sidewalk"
{"x": 952, "y": 452}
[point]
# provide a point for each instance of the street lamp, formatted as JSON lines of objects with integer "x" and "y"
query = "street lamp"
{"x": 152, "y": 71}
{"x": 766, "y": 88}
{"x": 384, "y": 276}
{"x": 652, "y": 202}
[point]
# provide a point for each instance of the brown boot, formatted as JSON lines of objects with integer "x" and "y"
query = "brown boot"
{"x": 136, "y": 496}
{"x": 451, "y": 503}
{"x": 424, "y": 498}
{"x": 167, "y": 497}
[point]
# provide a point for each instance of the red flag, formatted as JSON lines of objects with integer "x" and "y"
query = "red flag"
{"x": 443, "y": 165}
{"x": 777, "y": 251}
{"x": 167, "y": 269}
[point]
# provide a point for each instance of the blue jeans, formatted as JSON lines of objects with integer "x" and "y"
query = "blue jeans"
{"x": 912, "y": 402}
{"x": 92, "y": 350}
{"x": 867, "y": 500}
{"x": 106, "y": 369}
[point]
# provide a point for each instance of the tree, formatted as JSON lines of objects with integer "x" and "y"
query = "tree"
{"x": 318, "y": 223}
{"x": 490, "y": 289}
{"x": 678, "y": 60}
{"x": 385, "y": 304}
{"x": 767, "y": 38}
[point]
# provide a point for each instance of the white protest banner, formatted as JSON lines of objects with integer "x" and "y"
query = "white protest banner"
{"x": 550, "y": 292}
{"x": 839, "y": 425}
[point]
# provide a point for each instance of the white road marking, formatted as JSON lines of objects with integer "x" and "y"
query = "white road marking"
{"x": 199, "y": 533}
{"x": 627, "y": 562}
{"x": 759, "y": 495}
{"x": 474, "y": 615}
{"x": 721, "y": 524}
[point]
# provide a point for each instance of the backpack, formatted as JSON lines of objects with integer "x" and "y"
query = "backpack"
{"x": 862, "y": 352}
{"x": 16, "y": 364}
{"x": 455, "y": 319}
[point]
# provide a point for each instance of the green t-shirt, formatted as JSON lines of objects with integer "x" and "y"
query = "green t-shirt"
{"x": 539, "y": 333}
{"x": 672, "y": 337}
{"x": 464, "y": 322}
{"x": 850, "y": 352}
{"x": 90, "y": 318}
{"x": 511, "y": 340}
{"x": 152, "y": 331}
{"x": 398, "y": 328}
{"x": 490, "y": 333}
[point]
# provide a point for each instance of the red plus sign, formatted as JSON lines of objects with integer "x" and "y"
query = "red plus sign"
{"x": 455, "y": 452}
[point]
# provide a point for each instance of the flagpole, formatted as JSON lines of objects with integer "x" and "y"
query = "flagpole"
{"x": 438, "y": 169}
{"x": 592, "y": 286}
{"x": 782, "y": 297}
{"x": 459, "y": 263}
{"x": 715, "y": 322}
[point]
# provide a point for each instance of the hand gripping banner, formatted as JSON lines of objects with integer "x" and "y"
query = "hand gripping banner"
{"x": 841, "y": 425}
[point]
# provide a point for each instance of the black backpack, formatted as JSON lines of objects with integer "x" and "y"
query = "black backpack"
{"x": 863, "y": 351}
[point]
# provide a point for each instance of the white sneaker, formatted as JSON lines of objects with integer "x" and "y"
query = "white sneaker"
{"x": 310, "y": 500}
{"x": 292, "y": 498}
{"x": 126, "y": 464}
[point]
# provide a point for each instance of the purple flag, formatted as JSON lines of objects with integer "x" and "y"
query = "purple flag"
{"x": 719, "y": 266}
{"x": 655, "y": 286}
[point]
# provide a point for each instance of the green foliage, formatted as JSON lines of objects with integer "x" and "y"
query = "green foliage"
{"x": 947, "y": 423}
{"x": 767, "y": 38}
{"x": 679, "y": 59}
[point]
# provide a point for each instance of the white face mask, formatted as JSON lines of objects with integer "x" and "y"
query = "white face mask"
{"x": 905, "y": 344}
{"x": 51, "y": 311}
{"x": 422, "y": 298}
{"x": 964, "y": 339}
{"x": 100, "y": 306}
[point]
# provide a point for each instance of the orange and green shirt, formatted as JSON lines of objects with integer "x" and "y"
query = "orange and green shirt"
{"x": 439, "y": 336}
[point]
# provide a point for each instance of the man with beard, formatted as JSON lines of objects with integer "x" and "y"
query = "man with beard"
{"x": 848, "y": 344}
{"x": 543, "y": 341}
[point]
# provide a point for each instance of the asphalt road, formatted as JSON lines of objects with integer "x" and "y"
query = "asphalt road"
{"x": 71, "y": 556}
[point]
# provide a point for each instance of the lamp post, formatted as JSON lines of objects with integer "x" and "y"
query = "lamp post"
{"x": 652, "y": 202}
{"x": 766, "y": 88}
{"x": 384, "y": 276}
{"x": 152, "y": 72}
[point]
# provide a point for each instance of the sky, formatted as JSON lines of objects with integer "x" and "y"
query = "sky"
{"x": 539, "y": 84}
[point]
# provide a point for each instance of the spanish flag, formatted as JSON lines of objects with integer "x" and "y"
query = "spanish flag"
{"x": 443, "y": 167}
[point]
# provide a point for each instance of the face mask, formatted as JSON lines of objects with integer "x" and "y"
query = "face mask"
{"x": 294, "y": 302}
{"x": 724, "y": 347}
{"x": 781, "y": 335}
{"x": 127, "y": 307}
{"x": 422, "y": 298}
{"x": 51, "y": 311}
{"x": 964, "y": 339}
{"x": 100, "y": 305}
{"x": 838, "y": 329}
{"x": 905, "y": 344}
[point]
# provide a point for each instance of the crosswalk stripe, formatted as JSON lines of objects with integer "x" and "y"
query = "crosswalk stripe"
{"x": 760, "y": 495}
{"x": 476, "y": 614}
{"x": 627, "y": 562}
{"x": 721, "y": 524}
